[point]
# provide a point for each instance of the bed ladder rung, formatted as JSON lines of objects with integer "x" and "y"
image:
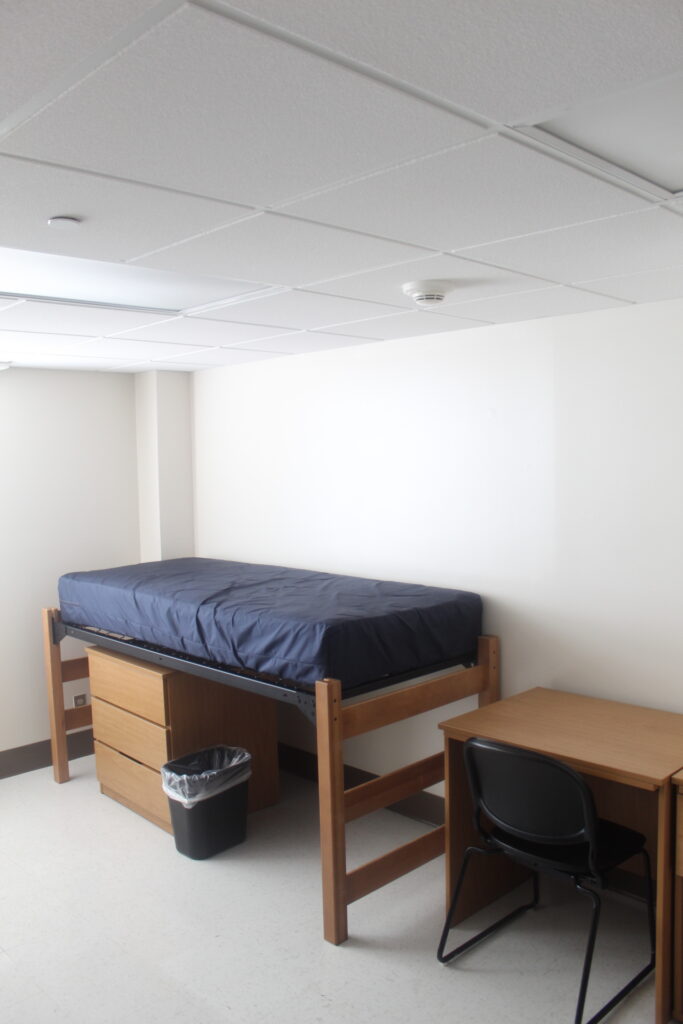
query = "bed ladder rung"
{"x": 75, "y": 668}
{"x": 412, "y": 700}
{"x": 397, "y": 785}
{"x": 78, "y": 718}
{"x": 392, "y": 865}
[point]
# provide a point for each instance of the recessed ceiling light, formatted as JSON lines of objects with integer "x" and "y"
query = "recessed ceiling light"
{"x": 64, "y": 223}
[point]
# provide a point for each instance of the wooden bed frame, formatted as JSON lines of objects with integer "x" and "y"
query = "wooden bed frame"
{"x": 335, "y": 723}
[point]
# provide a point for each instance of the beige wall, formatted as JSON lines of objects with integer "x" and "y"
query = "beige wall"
{"x": 69, "y": 501}
{"x": 537, "y": 463}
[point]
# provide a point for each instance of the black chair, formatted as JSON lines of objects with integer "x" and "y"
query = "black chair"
{"x": 541, "y": 813}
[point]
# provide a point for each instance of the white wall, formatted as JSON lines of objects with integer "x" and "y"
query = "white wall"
{"x": 69, "y": 501}
{"x": 538, "y": 464}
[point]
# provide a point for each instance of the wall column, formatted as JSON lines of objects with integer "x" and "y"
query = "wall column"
{"x": 163, "y": 402}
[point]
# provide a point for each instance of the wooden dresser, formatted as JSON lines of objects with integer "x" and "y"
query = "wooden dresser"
{"x": 145, "y": 715}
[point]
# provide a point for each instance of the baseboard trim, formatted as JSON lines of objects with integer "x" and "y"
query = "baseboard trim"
{"x": 38, "y": 755}
{"x": 424, "y": 807}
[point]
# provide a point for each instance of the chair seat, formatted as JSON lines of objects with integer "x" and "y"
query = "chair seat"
{"x": 615, "y": 844}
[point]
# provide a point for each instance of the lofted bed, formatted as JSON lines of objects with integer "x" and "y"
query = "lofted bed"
{"x": 351, "y": 654}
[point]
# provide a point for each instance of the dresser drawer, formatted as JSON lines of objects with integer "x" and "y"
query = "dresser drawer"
{"x": 138, "y": 738}
{"x": 129, "y": 684}
{"x": 133, "y": 784}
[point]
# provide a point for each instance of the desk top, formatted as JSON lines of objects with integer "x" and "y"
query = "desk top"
{"x": 640, "y": 746}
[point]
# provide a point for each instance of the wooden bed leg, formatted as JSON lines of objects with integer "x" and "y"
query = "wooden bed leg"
{"x": 331, "y": 804}
{"x": 55, "y": 697}
{"x": 488, "y": 655}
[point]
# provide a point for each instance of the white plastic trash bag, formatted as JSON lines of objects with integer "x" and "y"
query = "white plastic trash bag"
{"x": 205, "y": 773}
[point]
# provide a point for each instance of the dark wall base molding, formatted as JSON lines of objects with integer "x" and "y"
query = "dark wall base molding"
{"x": 425, "y": 807}
{"x": 39, "y": 755}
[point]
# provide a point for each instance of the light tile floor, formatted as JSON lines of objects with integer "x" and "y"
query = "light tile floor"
{"x": 102, "y": 921}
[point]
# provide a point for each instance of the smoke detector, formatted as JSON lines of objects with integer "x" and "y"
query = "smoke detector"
{"x": 427, "y": 294}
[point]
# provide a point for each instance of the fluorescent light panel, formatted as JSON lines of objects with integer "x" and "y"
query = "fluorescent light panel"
{"x": 64, "y": 278}
{"x": 637, "y": 130}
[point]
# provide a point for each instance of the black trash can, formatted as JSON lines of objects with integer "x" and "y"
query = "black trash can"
{"x": 207, "y": 795}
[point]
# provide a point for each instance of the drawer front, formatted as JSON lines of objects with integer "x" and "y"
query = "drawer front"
{"x": 129, "y": 684}
{"x": 138, "y": 738}
{"x": 138, "y": 786}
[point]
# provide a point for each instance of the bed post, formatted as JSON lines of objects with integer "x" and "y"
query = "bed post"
{"x": 331, "y": 805}
{"x": 488, "y": 656}
{"x": 58, "y": 672}
{"x": 55, "y": 697}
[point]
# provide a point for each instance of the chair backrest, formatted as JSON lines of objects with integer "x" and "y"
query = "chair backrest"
{"x": 531, "y": 796}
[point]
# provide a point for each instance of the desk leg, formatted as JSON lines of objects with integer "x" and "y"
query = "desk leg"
{"x": 664, "y": 922}
{"x": 488, "y": 878}
{"x": 452, "y": 814}
{"x": 678, "y": 949}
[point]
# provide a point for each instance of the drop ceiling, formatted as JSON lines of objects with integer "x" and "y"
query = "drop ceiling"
{"x": 258, "y": 180}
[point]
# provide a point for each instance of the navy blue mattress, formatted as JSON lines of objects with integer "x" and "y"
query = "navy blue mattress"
{"x": 293, "y": 624}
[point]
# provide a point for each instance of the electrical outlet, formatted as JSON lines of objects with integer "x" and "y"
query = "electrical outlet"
{"x": 80, "y": 700}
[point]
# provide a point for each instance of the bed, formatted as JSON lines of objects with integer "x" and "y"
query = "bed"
{"x": 352, "y": 654}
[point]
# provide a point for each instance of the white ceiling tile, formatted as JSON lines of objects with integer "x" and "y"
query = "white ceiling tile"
{"x": 635, "y": 242}
{"x": 222, "y": 357}
{"x": 39, "y": 42}
{"x": 280, "y": 250}
{"x": 649, "y": 286}
{"x": 631, "y": 129}
{"x": 202, "y": 333}
{"x": 300, "y": 310}
{"x": 554, "y": 301}
{"x": 308, "y": 341}
{"x": 38, "y": 274}
{"x": 491, "y": 189}
{"x": 509, "y": 61}
{"x": 14, "y": 343}
{"x": 125, "y": 349}
{"x": 225, "y": 111}
{"x": 62, "y": 318}
{"x": 119, "y": 219}
{"x": 410, "y": 325}
{"x": 471, "y": 280}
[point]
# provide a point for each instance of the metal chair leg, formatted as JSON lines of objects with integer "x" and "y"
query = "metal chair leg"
{"x": 637, "y": 978}
{"x": 590, "y": 946}
{"x": 443, "y": 957}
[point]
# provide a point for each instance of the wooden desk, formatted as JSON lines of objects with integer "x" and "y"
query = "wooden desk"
{"x": 636, "y": 748}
